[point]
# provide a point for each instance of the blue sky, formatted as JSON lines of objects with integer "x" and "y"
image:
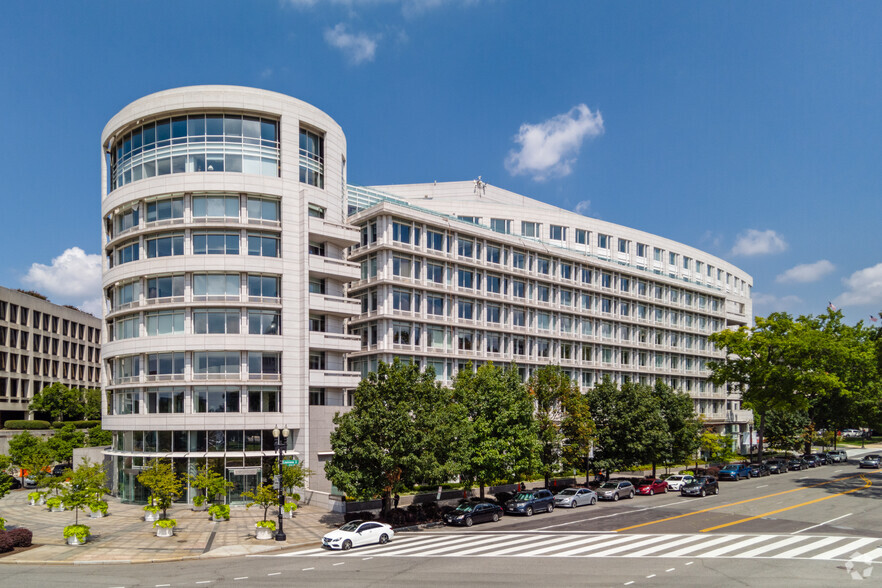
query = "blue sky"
{"x": 749, "y": 130}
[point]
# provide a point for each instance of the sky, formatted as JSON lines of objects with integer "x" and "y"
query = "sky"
{"x": 749, "y": 130}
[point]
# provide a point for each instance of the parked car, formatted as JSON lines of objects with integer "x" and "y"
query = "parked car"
{"x": 615, "y": 489}
{"x": 758, "y": 470}
{"x": 701, "y": 486}
{"x": 796, "y": 463}
{"x": 734, "y": 471}
{"x": 822, "y": 458}
{"x": 59, "y": 469}
{"x": 870, "y": 461}
{"x": 527, "y": 502}
{"x": 677, "y": 481}
{"x": 838, "y": 455}
{"x": 852, "y": 433}
{"x": 30, "y": 482}
{"x": 14, "y": 483}
{"x": 811, "y": 461}
{"x": 357, "y": 533}
{"x": 469, "y": 513}
{"x": 777, "y": 466}
{"x": 649, "y": 487}
{"x": 573, "y": 497}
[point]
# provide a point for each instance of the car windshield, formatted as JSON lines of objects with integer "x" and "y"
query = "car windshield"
{"x": 729, "y": 468}
{"x": 351, "y": 526}
{"x": 568, "y": 492}
{"x": 609, "y": 485}
{"x": 465, "y": 507}
{"x": 524, "y": 496}
{"x": 645, "y": 483}
{"x": 675, "y": 478}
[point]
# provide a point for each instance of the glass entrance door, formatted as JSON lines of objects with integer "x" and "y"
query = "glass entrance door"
{"x": 242, "y": 482}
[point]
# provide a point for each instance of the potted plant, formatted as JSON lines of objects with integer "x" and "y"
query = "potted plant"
{"x": 98, "y": 509}
{"x": 164, "y": 484}
{"x": 219, "y": 512}
{"x": 76, "y": 534}
{"x": 264, "y": 529}
{"x": 165, "y": 527}
{"x": 37, "y": 498}
{"x": 211, "y": 484}
{"x": 289, "y": 507}
{"x": 55, "y": 504}
{"x": 151, "y": 513}
{"x": 199, "y": 502}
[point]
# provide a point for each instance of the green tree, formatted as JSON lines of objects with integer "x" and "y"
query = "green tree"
{"x": 717, "y": 448}
{"x": 59, "y": 402}
{"x": 32, "y": 455}
{"x": 682, "y": 426}
{"x": 87, "y": 484}
{"x": 548, "y": 386}
{"x": 403, "y": 430}
{"x": 91, "y": 398}
{"x": 211, "y": 483}
{"x": 99, "y": 437}
{"x": 164, "y": 484}
{"x": 292, "y": 477}
{"x": 578, "y": 429}
{"x": 64, "y": 441}
{"x": 785, "y": 429}
{"x": 5, "y": 481}
{"x": 500, "y": 435}
{"x": 264, "y": 496}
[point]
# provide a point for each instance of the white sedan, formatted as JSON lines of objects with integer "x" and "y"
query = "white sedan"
{"x": 356, "y": 533}
{"x": 677, "y": 482}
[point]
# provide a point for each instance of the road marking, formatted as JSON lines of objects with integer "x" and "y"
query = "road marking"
{"x": 275, "y": 574}
{"x": 649, "y": 550}
{"x": 546, "y": 549}
{"x": 650, "y": 576}
{"x": 867, "y": 484}
{"x": 847, "y": 548}
{"x": 629, "y": 583}
{"x": 616, "y": 514}
{"x": 770, "y": 547}
{"x": 804, "y": 477}
{"x": 695, "y": 512}
{"x": 306, "y": 569}
{"x": 822, "y": 524}
{"x": 204, "y": 582}
{"x": 735, "y": 546}
{"x": 670, "y": 569}
{"x": 340, "y": 564}
{"x": 241, "y": 578}
{"x": 806, "y": 548}
{"x": 366, "y": 558}
{"x": 763, "y": 486}
{"x": 716, "y": 540}
{"x": 689, "y": 563}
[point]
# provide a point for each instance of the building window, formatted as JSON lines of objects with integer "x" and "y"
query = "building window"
{"x": 529, "y": 229}
{"x": 216, "y": 364}
{"x": 581, "y": 236}
{"x": 494, "y": 313}
{"x": 657, "y": 254}
{"x": 216, "y": 243}
{"x": 317, "y": 396}
{"x": 500, "y": 225}
{"x": 126, "y": 328}
{"x": 404, "y": 300}
{"x": 566, "y": 298}
{"x": 126, "y": 295}
{"x": 215, "y": 399}
{"x": 434, "y": 240}
{"x": 215, "y": 286}
{"x": 317, "y": 323}
{"x": 165, "y": 366}
{"x": 465, "y": 340}
{"x": 316, "y": 285}
{"x": 216, "y": 207}
{"x": 405, "y": 267}
{"x": 543, "y": 265}
{"x": 494, "y": 283}
{"x": 623, "y": 246}
{"x": 624, "y": 284}
{"x": 170, "y": 209}
{"x": 672, "y": 258}
{"x": 466, "y": 309}
{"x": 603, "y": 241}
{"x": 465, "y": 247}
{"x": 434, "y": 305}
{"x": 405, "y": 233}
{"x": 264, "y": 365}
{"x": 263, "y": 245}
{"x": 264, "y": 322}
{"x": 316, "y": 360}
{"x": 262, "y": 399}
{"x": 518, "y": 260}
{"x": 641, "y": 250}
{"x": 216, "y": 321}
{"x": 316, "y": 211}
{"x": 435, "y": 273}
{"x": 264, "y": 210}
{"x": 518, "y": 317}
{"x": 128, "y": 252}
{"x": 312, "y": 156}
{"x": 543, "y": 293}
{"x": 466, "y": 278}
{"x": 557, "y": 233}
{"x": 165, "y": 323}
{"x": 493, "y": 254}
{"x": 262, "y": 287}
{"x": 127, "y": 220}
{"x": 165, "y": 400}
{"x": 518, "y": 289}
{"x": 434, "y": 337}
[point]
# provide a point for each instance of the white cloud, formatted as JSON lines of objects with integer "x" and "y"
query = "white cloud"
{"x": 358, "y": 47}
{"x": 711, "y": 238}
{"x": 409, "y": 8}
{"x": 772, "y": 303}
{"x": 754, "y": 242}
{"x": 550, "y": 147}
{"x": 583, "y": 207}
{"x": 864, "y": 287}
{"x": 73, "y": 278}
{"x": 806, "y": 272}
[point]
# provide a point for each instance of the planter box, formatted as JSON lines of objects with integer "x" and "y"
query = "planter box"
{"x": 165, "y": 531}
{"x": 57, "y": 509}
{"x": 39, "y": 502}
{"x": 202, "y": 508}
{"x": 217, "y": 519}
{"x": 263, "y": 533}
{"x": 287, "y": 514}
{"x": 150, "y": 516}
{"x": 75, "y": 541}
{"x": 97, "y": 514}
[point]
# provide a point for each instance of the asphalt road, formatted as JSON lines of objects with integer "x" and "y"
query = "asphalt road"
{"x": 820, "y": 527}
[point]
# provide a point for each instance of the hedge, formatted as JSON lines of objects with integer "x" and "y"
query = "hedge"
{"x": 76, "y": 424}
{"x": 21, "y": 537}
{"x": 6, "y": 543}
{"x": 26, "y": 425}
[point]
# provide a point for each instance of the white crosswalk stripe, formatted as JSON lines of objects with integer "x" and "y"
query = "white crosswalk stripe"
{"x": 573, "y": 544}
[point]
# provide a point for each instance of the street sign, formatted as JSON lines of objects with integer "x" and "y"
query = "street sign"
{"x": 290, "y": 462}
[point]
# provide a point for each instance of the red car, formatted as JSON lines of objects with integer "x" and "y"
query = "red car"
{"x": 649, "y": 487}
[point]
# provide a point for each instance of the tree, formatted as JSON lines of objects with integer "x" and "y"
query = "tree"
{"x": 500, "y": 436}
{"x": 403, "y": 430}
{"x": 5, "y": 480}
{"x": 211, "y": 482}
{"x": 64, "y": 441}
{"x": 32, "y": 455}
{"x": 99, "y": 437}
{"x": 292, "y": 476}
{"x": 59, "y": 402}
{"x": 785, "y": 429}
{"x": 548, "y": 386}
{"x": 164, "y": 484}
{"x": 681, "y": 423}
{"x": 630, "y": 426}
{"x": 717, "y": 448}
{"x": 578, "y": 429}
{"x": 91, "y": 403}
{"x": 265, "y": 496}
{"x": 86, "y": 485}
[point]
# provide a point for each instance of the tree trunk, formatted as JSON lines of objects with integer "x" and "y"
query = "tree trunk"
{"x": 761, "y": 431}
{"x": 653, "y": 470}
{"x": 482, "y": 491}
{"x": 387, "y": 503}
{"x": 546, "y": 481}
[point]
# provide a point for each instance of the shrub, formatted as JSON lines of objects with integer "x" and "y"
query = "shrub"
{"x": 165, "y": 523}
{"x": 364, "y": 515}
{"x": 220, "y": 511}
{"x": 81, "y": 532}
{"x": 76, "y": 424}
{"x": 268, "y": 524}
{"x": 20, "y": 537}
{"x": 98, "y": 505}
{"x": 20, "y": 425}
{"x": 54, "y": 502}
{"x": 397, "y": 517}
{"x": 6, "y": 542}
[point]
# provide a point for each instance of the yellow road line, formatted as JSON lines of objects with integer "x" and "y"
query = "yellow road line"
{"x": 765, "y": 514}
{"x": 689, "y": 514}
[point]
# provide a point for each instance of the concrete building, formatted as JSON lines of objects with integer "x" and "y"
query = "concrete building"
{"x": 42, "y": 343}
{"x": 249, "y": 287}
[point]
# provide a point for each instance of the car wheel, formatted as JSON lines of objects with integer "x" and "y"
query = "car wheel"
{"x": 384, "y": 539}
{"x": 716, "y": 490}
{"x": 469, "y": 522}
{"x": 702, "y": 493}
{"x": 651, "y": 492}
{"x": 616, "y": 497}
{"x": 593, "y": 501}
{"x": 529, "y": 511}
{"x": 550, "y": 507}
{"x": 347, "y": 545}
{"x": 495, "y": 517}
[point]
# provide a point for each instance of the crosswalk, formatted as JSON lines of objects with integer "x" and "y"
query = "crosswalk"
{"x": 696, "y": 545}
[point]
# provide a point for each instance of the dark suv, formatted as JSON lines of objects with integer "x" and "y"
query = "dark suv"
{"x": 527, "y": 502}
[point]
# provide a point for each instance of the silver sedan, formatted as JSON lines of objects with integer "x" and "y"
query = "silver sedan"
{"x": 573, "y": 497}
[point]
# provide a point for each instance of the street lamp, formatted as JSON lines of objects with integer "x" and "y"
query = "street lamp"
{"x": 281, "y": 440}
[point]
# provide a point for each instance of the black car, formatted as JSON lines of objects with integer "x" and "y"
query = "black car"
{"x": 58, "y": 470}
{"x": 527, "y": 502}
{"x": 811, "y": 461}
{"x": 14, "y": 483}
{"x": 757, "y": 470}
{"x": 796, "y": 463}
{"x": 777, "y": 466}
{"x": 701, "y": 486}
{"x": 469, "y": 513}
{"x": 822, "y": 458}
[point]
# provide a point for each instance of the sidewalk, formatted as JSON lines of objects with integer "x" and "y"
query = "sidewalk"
{"x": 124, "y": 537}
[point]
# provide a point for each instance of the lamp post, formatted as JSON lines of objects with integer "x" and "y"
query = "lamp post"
{"x": 281, "y": 440}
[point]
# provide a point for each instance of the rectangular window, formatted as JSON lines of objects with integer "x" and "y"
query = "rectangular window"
{"x": 165, "y": 210}
{"x": 165, "y": 323}
{"x": 317, "y": 323}
{"x": 623, "y": 245}
{"x": 434, "y": 305}
{"x": 216, "y": 321}
{"x": 316, "y": 360}
{"x": 493, "y": 254}
{"x": 126, "y": 328}
{"x": 434, "y": 240}
{"x": 216, "y": 399}
{"x": 165, "y": 246}
{"x": 518, "y": 289}
{"x": 500, "y": 225}
{"x": 566, "y": 271}
{"x": 543, "y": 265}
{"x": 435, "y": 337}
{"x": 165, "y": 287}
{"x": 266, "y": 211}
{"x": 128, "y": 252}
{"x": 216, "y": 364}
{"x": 263, "y": 245}
{"x": 493, "y": 343}
{"x": 529, "y": 229}
{"x": 465, "y": 340}
{"x": 127, "y": 220}
{"x": 543, "y": 293}
{"x": 402, "y": 300}
{"x": 219, "y": 207}
{"x": 215, "y": 286}
{"x": 586, "y": 302}
{"x": 261, "y": 399}
{"x": 216, "y": 243}
{"x": 435, "y": 273}
{"x": 165, "y": 366}
{"x": 312, "y": 157}
{"x": 672, "y": 258}
{"x": 165, "y": 400}
{"x": 260, "y": 287}
{"x": 316, "y": 211}
{"x": 518, "y": 260}
{"x": 264, "y": 365}
{"x": 494, "y": 283}
{"x": 557, "y": 233}
{"x": 606, "y": 280}
{"x": 566, "y": 298}
{"x": 543, "y": 320}
{"x": 518, "y": 317}
{"x": 465, "y": 247}
{"x": 581, "y": 236}
{"x": 317, "y": 396}
{"x": 401, "y": 232}
{"x": 603, "y": 241}
{"x": 494, "y": 313}
{"x": 264, "y": 322}
{"x": 641, "y": 250}
{"x": 624, "y": 284}
{"x": 466, "y": 278}
{"x": 466, "y": 309}
{"x": 316, "y": 285}
{"x": 657, "y": 254}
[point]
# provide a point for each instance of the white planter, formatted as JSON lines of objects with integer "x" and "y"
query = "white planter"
{"x": 165, "y": 531}
{"x": 39, "y": 502}
{"x": 75, "y": 541}
{"x": 151, "y": 516}
{"x": 57, "y": 508}
{"x": 263, "y": 532}
{"x": 202, "y": 508}
{"x": 217, "y": 519}
{"x": 96, "y": 514}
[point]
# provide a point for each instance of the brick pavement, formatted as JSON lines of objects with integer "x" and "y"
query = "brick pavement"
{"x": 124, "y": 537}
